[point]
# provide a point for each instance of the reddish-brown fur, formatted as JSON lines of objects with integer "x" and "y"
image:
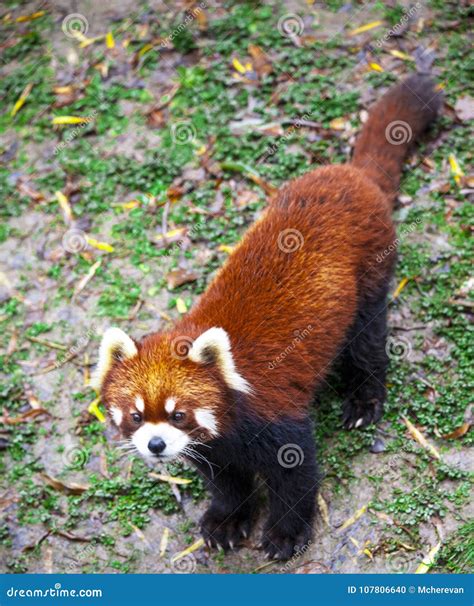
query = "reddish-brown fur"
{"x": 288, "y": 310}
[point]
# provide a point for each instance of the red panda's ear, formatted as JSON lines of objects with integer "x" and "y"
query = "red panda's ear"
{"x": 115, "y": 344}
{"x": 213, "y": 346}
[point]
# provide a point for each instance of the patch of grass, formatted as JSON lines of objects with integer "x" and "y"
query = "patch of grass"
{"x": 457, "y": 553}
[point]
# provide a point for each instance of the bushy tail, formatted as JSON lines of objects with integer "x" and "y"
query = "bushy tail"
{"x": 394, "y": 123}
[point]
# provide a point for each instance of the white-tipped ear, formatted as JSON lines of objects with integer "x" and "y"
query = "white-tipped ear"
{"x": 114, "y": 343}
{"x": 214, "y": 346}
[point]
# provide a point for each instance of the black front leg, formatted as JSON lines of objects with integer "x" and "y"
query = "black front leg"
{"x": 231, "y": 513}
{"x": 292, "y": 479}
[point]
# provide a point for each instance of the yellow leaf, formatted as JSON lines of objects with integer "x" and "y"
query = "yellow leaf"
{"x": 21, "y": 100}
{"x": 194, "y": 547}
{"x": 400, "y": 287}
{"x": 337, "y": 124}
{"x": 169, "y": 479}
{"x": 87, "y": 41}
{"x": 354, "y": 518}
{"x": 164, "y": 541}
{"x": 63, "y": 90}
{"x": 145, "y": 49}
{"x": 94, "y": 409}
{"x": 238, "y": 66}
{"x": 455, "y": 168}
{"x": 99, "y": 245}
{"x": 376, "y": 67}
{"x": 225, "y": 248}
{"x": 181, "y": 306}
{"x": 65, "y": 206}
{"x": 323, "y": 508}
{"x": 23, "y": 18}
{"x": 428, "y": 560}
{"x": 131, "y": 204}
{"x": 420, "y": 438}
{"x": 109, "y": 40}
{"x": 365, "y": 28}
{"x": 399, "y": 55}
{"x": 70, "y": 120}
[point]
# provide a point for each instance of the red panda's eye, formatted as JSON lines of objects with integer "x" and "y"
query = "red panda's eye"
{"x": 137, "y": 417}
{"x": 178, "y": 416}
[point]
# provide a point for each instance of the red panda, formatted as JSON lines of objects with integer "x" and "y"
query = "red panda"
{"x": 229, "y": 387}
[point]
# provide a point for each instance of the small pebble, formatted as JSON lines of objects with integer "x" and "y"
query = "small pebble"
{"x": 377, "y": 446}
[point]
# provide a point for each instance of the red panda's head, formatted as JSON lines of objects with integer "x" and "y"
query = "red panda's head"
{"x": 164, "y": 399}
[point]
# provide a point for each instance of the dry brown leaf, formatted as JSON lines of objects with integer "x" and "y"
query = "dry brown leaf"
{"x": 458, "y": 432}
{"x": 67, "y": 488}
{"x": 24, "y": 417}
{"x": 261, "y": 61}
{"x": 178, "y": 277}
{"x": 156, "y": 118}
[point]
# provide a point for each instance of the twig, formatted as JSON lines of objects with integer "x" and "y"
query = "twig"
{"x": 50, "y": 344}
{"x": 70, "y": 356}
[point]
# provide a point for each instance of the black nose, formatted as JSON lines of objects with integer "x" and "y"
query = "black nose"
{"x": 156, "y": 445}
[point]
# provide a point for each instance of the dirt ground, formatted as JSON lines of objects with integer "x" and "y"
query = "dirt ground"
{"x": 84, "y": 209}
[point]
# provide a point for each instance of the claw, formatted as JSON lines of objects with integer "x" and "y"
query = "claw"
{"x": 359, "y": 422}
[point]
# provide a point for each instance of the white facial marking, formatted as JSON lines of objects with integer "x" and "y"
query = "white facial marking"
{"x": 175, "y": 439}
{"x": 170, "y": 405}
{"x": 117, "y": 415}
{"x": 140, "y": 404}
{"x": 207, "y": 419}
{"x": 217, "y": 340}
{"x": 113, "y": 340}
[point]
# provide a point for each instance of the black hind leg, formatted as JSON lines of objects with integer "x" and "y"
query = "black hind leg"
{"x": 364, "y": 363}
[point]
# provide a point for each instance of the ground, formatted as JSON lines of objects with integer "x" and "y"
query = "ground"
{"x": 177, "y": 127}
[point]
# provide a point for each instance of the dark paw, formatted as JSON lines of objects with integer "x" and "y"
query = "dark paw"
{"x": 358, "y": 413}
{"x": 279, "y": 545}
{"x": 226, "y": 532}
